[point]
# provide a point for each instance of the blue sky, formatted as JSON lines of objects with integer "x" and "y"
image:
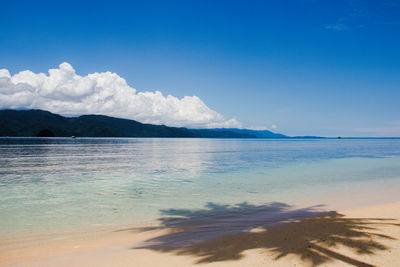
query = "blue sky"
{"x": 308, "y": 67}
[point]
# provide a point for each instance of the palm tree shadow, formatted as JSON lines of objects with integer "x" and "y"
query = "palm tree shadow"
{"x": 224, "y": 232}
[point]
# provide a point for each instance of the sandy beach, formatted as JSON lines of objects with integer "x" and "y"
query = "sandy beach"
{"x": 269, "y": 235}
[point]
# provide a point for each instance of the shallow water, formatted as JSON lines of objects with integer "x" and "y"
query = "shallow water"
{"x": 62, "y": 184}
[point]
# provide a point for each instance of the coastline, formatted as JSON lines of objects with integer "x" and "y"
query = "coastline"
{"x": 361, "y": 236}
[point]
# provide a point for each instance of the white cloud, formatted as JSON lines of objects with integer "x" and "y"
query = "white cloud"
{"x": 63, "y": 91}
{"x": 257, "y": 128}
{"x": 262, "y": 128}
{"x": 339, "y": 26}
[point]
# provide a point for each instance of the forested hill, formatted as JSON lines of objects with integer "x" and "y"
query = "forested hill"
{"x": 44, "y": 123}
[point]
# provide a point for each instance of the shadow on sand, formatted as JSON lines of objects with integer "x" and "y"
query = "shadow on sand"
{"x": 222, "y": 232}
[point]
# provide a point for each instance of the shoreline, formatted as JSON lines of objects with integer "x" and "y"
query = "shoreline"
{"x": 339, "y": 198}
{"x": 366, "y": 235}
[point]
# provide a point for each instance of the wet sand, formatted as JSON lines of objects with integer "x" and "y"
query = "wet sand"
{"x": 242, "y": 235}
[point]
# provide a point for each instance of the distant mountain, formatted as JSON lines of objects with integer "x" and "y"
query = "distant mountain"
{"x": 44, "y": 123}
{"x": 309, "y": 137}
{"x": 255, "y": 133}
{"x": 264, "y": 133}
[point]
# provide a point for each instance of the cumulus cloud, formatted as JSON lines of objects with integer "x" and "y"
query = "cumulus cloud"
{"x": 63, "y": 91}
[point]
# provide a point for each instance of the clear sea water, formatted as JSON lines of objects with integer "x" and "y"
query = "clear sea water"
{"x": 62, "y": 184}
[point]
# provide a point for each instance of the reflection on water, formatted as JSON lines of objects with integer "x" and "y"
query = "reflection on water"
{"x": 47, "y": 184}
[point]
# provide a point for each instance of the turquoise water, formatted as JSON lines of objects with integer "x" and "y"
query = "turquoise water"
{"x": 63, "y": 184}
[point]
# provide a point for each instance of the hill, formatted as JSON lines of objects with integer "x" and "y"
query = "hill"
{"x": 44, "y": 123}
{"x": 255, "y": 133}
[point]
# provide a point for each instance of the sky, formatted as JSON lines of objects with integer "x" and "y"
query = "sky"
{"x": 310, "y": 67}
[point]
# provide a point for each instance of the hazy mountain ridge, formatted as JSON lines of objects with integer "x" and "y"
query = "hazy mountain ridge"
{"x": 255, "y": 133}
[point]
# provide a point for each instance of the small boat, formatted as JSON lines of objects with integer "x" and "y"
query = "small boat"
{"x": 73, "y": 137}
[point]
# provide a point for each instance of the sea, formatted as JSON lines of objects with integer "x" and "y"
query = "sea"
{"x": 65, "y": 185}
